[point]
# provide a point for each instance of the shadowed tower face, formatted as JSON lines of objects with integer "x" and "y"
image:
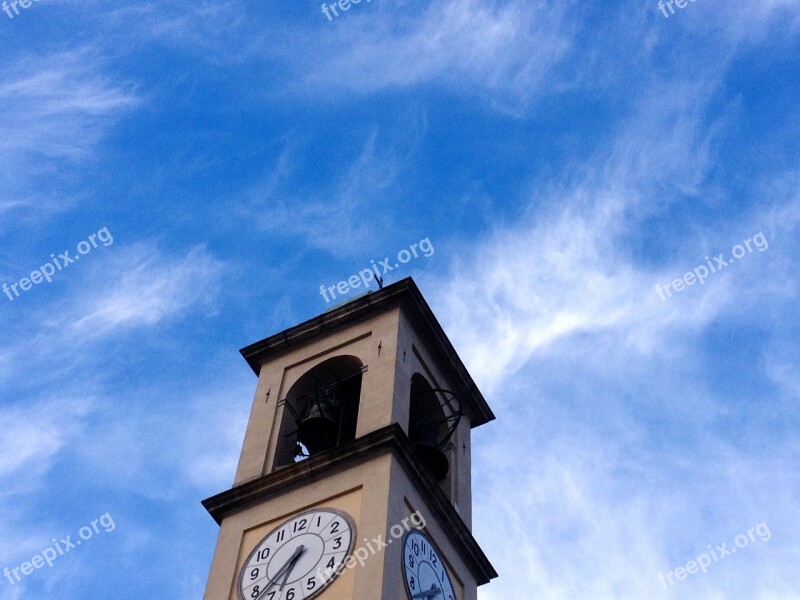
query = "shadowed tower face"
{"x": 354, "y": 476}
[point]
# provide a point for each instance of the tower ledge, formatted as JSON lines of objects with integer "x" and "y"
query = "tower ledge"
{"x": 391, "y": 438}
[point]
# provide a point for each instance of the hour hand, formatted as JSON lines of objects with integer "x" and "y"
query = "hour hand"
{"x": 434, "y": 591}
{"x": 289, "y": 568}
{"x": 283, "y": 571}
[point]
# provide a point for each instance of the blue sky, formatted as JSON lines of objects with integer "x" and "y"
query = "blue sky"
{"x": 563, "y": 158}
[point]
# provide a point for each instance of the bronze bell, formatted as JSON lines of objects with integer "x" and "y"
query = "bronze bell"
{"x": 423, "y": 433}
{"x": 319, "y": 427}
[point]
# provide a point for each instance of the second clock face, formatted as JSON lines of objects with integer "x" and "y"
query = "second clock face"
{"x": 299, "y": 558}
{"x": 425, "y": 572}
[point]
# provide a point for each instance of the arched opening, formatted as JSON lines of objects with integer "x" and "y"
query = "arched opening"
{"x": 433, "y": 418}
{"x": 321, "y": 409}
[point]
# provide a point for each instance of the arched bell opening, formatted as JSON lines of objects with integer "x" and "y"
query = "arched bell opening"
{"x": 322, "y": 409}
{"x": 433, "y": 418}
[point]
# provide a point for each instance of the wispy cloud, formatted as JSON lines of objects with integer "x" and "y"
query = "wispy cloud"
{"x": 212, "y": 29}
{"x": 342, "y": 214}
{"x": 61, "y": 104}
{"x": 205, "y": 431}
{"x": 753, "y": 21}
{"x": 572, "y": 344}
{"x": 33, "y": 434}
{"x": 132, "y": 289}
{"x": 56, "y": 107}
{"x": 557, "y": 319}
{"x": 150, "y": 289}
{"x": 499, "y": 51}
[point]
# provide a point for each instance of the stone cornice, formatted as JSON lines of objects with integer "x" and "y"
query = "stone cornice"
{"x": 387, "y": 439}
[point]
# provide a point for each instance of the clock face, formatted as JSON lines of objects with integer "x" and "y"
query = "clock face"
{"x": 425, "y": 572}
{"x": 299, "y": 558}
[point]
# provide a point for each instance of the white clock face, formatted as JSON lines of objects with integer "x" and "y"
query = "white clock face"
{"x": 299, "y": 558}
{"x": 425, "y": 572}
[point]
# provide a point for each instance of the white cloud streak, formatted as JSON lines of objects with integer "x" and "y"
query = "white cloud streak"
{"x": 57, "y": 109}
{"x": 561, "y": 326}
{"x": 500, "y": 51}
{"x": 59, "y": 105}
{"x": 150, "y": 289}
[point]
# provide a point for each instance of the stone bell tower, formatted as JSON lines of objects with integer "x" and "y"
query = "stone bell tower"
{"x": 354, "y": 481}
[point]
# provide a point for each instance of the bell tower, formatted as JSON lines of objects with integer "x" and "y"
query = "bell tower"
{"x": 354, "y": 480}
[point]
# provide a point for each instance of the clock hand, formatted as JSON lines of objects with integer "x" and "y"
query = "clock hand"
{"x": 434, "y": 591}
{"x": 292, "y": 560}
{"x": 291, "y": 567}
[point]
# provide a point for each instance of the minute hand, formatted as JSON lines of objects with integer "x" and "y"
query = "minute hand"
{"x": 288, "y": 563}
{"x": 288, "y": 571}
